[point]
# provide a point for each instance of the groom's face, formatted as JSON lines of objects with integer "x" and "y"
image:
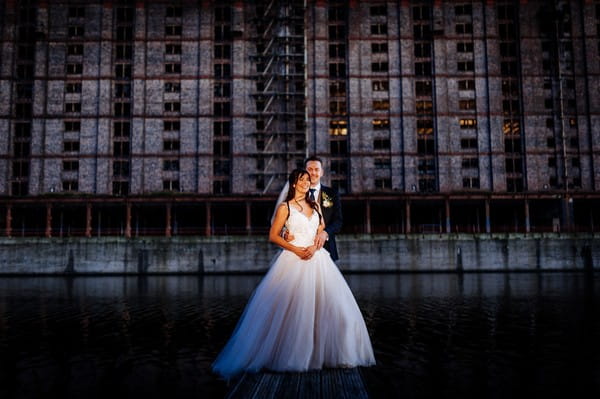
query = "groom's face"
{"x": 315, "y": 171}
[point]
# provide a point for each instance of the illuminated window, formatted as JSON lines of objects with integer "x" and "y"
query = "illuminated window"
{"x": 424, "y": 107}
{"x": 424, "y": 126}
{"x": 338, "y": 128}
{"x": 381, "y": 85}
{"x": 467, "y": 123}
{"x": 381, "y": 105}
{"x": 381, "y": 124}
{"x": 511, "y": 126}
{"x": 466, "y": 104}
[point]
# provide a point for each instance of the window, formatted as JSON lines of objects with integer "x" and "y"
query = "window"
{"x": 171, "y": 165}
{"x": 463, "y": 9}
{"x": 514, "y": 184}
{"x": 468, "y": 144}
{"x": 512, "y": 145}
{"x": 506, "y": 12}
{"x": 172, "y": 106}
{"x": 123, "y": 90}
{"x": 336, "y": 14}
{"x": 222, "y": 167}
{"x": 221, "y": 187}
{"x": 70, "y": 185}
{"x": 222, "y": 71}
{"x": 70, "y": 166}
{"x": 25, "y": 90}
{"x": 423, "y": 88}
{"x": 464, "y": 47}
{"x": 466, "y": 85}
{"x": 510, "y": 107}
{"x": 338, "y": 147}
{"x": 338, "y": 167}
{"x": 123, "y": 71}
{"x": 72, "y": 126}
{"x": 222, "y": 109}
{"x": 509, "y": 68}
{"x": 379, "y": 29}
{"x": 426, "y": 166}
{"x": 381, "y": 105}
{"x": 24, "y": 110}
{"x": 23, "y": 130}
{"x": 222, "y": 128}
{"x": 510, "y": 87}
{"x": 379, "y": 10}
{"x": 337, "y": 51}
{"x": 121, "y": 148}
{"x": 381, "y": 66}
{"x": 76, "y": 12}
{"x": 20, "y": 169}
{"x": 427, "y": 185}
{"x": 381, "y": 144}
{"x": 222, "y": 14}
{"x": 381, "y": 124}
{"x": 466, "y": 104}
{"x": 464, "y": 28}
{"x": 422, "y": 50}
{"x": 424, "y": 126}
{"x": 73, "y": 88}
{"x": 508, "y": 49}
{"x": 470, "y": 182}
{"x": 174, "y": 49}
{"x": 174, "y": 12}
{"x": 172, "y": 68}
{"x": 513, "y": 165}
{"x": 337, "y": 70}
{"x": 421, "y": 13}
{"x": 221, "y": 147}
{"x": 21, "y": 149}
{"x": 337, "y": 107}
{"x": 171, "y": 126}
{"x": 121, "y": 168}
{"x": 75, "y": 31}
{"x": 465, "y": 66}
{"x": 422, "y": 32}
{"x": 75, "y": 49}
{"x": 221, "y": 51}
{"x": 124, "y": 33}
{"x": 337, "y": 32}
{"x": 171, "y": 145}
{"x": 120, "y": 188}
{"x": 25, "y": 71}
{"x": 73, "y": 107}
{"x": 507, "y": 31}
{"x": 337, "y": 89}
{"x": 125, "y": 14}
{"x": 383, "y": 183}
{"x": 377, "y": 48}
{"x": 425, "y": 146}
{"x": 173, "y": 30}
{"x": 424, "y": 107}
{"x": 122, "y": 129}
{"x": 122, "y": 109}
{"x": 338, "y": 128}
{"x": 470, "y": 163}
{"x": 468, "y": 123}
{"x": 511, "y": 126}
{"x": 171, "y": 185}
{"x": 172, "y": 87}
{"x": 74, "y": 69}
{"x": 70, "y": 146}
{"x": 380, "y": 85}
{"x": 423, "y": 68}
{"x": 382, "y": 163}
{"x": 550, "y": 142}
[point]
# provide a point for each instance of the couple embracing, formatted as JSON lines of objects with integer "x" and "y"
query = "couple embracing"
{"x": 302, "y": 316}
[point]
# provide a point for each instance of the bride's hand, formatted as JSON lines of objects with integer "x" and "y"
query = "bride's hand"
{"x": 310, "y": 251}
{"x": 301, "y": 252}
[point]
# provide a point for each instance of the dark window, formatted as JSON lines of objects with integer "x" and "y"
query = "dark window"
{"x": 379, "y": 29}
{"x": 171, "y": 165}
{"x": 222, "y": 71}
{"x": 23, "y": 130}
{"x": 222, "y": 109}
{"x": 122, "y": 109}
{"x": 465, "y": 28}
{"x": 70, "y": 166}
{"x": 512, "y": 145}
{"x": 120, "y": 188}
{"x": 222, "y": 128}
{"x": 425, "y": 147}
{"x": 463, "y": 9}
{"x": 423, "y": 68}
{"x": 173, "y": 30}
{"x": 171, "y": 126}
{"x": 121, "y": 148}
{"x": 173, "y": 67}
{"x": 223, "y": 33}
{"x": 338, "y": 167}
{"x": 337, "y": 70}
{"x": 74, "y": 69}
{"x": 123, "y": 71}
{"x": 422, "y": 50}
{"x": 338, "y": 147}
{"x": 381, "y": 66}
{"x": 70, "y": 185}
{"x": 75, "y": 49}
{"x": 124, "y": 33}
{"x": 422, "y": 32}
{"x": 172, "y": 87}
{"x": 73, "y": 87}
{"x": 70, "y": 146}
{"x": 465, "y": 66}
{"x": 76, "y": 31}
{"x": 122, "y": 129}
{"x": 175, "y": 12}
{"x": 381, "y": 144}
{"x": 468, "y": 144}
{"x": 123, "y": 90}
{"x": 379, "y": 10}
{"x": 338, "y": 89}
{"x": 377, "y": 48}
{"x": 221, "y": 51}
{"x": 121, "y": 168}
{"x": 221, "y": 148}
{"x": 72, "y": 107}
{"x": 466, "y": 85}
{"x": 172, "y": 106}
{"x": 20, "y": 169}
{"x": 171, "y": 145}
{"x": 336, "y": 14}
{"x": 337, "y": 32}
{"x": 221, "y": 167}
{"x": 464, "y": 47}
{"x": 22, "y": 149}
{"x": 470, "y": 163}
{"x": 421, "y": 13}
{"x": 72, "y": 126}
{"x": 76, "y": 12}
{"x": 222, "y": 14}
{"x": 125, "y": 14}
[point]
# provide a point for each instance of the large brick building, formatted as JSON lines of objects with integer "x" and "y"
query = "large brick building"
{"x": 429, "y": 115}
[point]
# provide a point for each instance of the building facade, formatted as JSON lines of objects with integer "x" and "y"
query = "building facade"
{"x": 444, "y": 113}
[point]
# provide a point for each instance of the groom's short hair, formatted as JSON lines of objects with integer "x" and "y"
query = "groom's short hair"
{"x": 313, "y": 158}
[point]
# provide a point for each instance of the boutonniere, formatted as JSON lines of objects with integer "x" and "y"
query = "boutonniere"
{"x": 327, "y": 200}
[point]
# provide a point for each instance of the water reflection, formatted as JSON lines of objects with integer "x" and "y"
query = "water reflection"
{"x": 488, "y": 335}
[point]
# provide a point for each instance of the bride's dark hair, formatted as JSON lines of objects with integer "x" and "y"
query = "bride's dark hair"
{"x": 293, "y": 179}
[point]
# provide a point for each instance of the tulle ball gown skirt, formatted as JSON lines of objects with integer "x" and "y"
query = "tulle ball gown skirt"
{"x": 302, "y": 316}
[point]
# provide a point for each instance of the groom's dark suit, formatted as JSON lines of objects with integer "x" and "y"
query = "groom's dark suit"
{"x": 331, "y": 208}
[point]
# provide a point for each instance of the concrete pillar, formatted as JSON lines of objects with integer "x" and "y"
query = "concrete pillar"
{"x": 407, "y": 211}
{"x": 488, "y": 223}
{"x": 448, "y": 221}
{"x": 88, "y": 219}
{"x": 367, "y": 216}
{"x": 48, "y": 233}
{"x": 527, "y": 222}
{"x": 168, "y": 221}
{"x": 128, "y": 220}
{"x": 207, "y": 229}
{"x": 8, "y": 227}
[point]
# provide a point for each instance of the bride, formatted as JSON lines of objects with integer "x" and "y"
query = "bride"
{"x": 302, "y": 315}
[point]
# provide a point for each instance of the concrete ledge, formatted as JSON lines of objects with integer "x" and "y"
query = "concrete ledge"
{"x": 358, "y": 253}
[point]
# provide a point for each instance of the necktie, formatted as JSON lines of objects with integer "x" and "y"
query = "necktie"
{"x": 312, "y": 193}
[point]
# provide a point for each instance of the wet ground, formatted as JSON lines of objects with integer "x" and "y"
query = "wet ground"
{"x": 435, "y": 335}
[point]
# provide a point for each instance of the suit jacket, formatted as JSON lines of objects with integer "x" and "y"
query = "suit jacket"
{"x": 331, "y": 207}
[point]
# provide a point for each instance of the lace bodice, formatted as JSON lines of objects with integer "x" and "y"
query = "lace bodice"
{"x": 303, "y": 228}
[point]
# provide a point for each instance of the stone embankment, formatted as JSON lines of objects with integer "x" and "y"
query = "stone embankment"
{"x": 358, "y": 253}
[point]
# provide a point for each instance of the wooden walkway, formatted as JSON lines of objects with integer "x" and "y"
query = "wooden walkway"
{"x": 324, "y": 384}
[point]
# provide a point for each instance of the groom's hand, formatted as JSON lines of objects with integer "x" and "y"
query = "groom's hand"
{"x": 321, "y": 238}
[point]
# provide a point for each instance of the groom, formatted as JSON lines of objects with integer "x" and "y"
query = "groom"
{"x": 330, "y": 204}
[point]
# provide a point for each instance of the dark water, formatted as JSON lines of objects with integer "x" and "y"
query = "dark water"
{"x": 434, "y": 335}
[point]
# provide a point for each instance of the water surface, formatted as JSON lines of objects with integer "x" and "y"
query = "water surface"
{"x": 445, "y": 335}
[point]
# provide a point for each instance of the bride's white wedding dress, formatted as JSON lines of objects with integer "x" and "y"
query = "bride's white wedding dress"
{"x": 301, "y": 316}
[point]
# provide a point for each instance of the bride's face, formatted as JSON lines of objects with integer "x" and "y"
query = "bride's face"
{"x": 302, "y": 184}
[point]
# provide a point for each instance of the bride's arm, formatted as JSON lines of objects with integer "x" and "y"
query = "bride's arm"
{"x": 274, "y": 236}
